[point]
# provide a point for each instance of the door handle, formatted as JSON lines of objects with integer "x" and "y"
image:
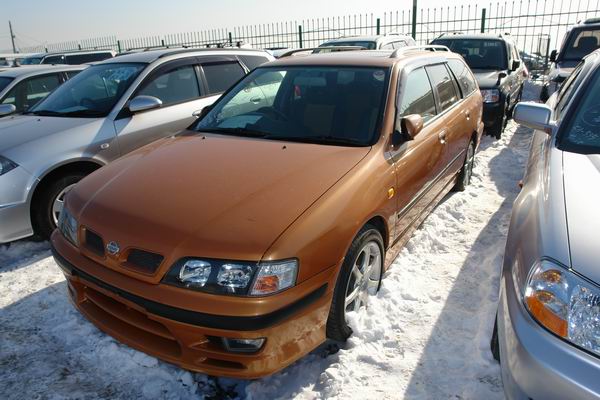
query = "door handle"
{"x": 468, "y": 115}
{"x": 442, "y": 136}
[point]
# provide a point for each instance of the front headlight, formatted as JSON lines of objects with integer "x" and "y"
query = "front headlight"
{"x": 6, "y": 165}
{"x": 233, "y": 277}
{"x": 490, "y": 95}
{"x": 67, "y": 225}
{"x": 565, "y": 304}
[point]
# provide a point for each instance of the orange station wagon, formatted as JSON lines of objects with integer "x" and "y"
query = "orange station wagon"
{"x": 239, "y": 245}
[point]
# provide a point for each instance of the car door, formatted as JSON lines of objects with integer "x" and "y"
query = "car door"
{"x": 416, "y": 162}
{"x": 30, "y": 91}
{"x": 182, "y": 92}
{"x": 515, "y": 77}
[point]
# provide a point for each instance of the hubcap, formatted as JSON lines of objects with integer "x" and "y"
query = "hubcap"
{"x": 365, "y": 276}
{"x": 59, "y": 203}
{"x": 469, "y": 164}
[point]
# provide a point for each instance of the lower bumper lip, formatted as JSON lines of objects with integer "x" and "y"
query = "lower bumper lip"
{"x": 196, "y": 318}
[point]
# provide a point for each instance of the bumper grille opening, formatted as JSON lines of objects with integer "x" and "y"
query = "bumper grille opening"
{"x": 94, "y": 242}
{"x": 144, "y": 261}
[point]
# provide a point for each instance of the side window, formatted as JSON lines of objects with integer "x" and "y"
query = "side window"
{"x": 399, "y": 44}
{"x": 220, "y": 76}
{"x": 387, "y": 46}
{"x": 253, "y": 61}
{"x": 173, "y": 86}
{"x": 417, "y": 96}
{"x": 27, "y": 93}
{"x": 443, "y": 85}
{"x": 463, "y": 75}
{"x": 54, "y": 60}
{"x": 75, "y": 59}
{"x": 566, "y": 89}
{"x": 71, "y": 74}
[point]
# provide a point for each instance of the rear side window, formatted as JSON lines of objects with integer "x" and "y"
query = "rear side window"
{"x": 71, "y": 74}
{"x": 173, "y": 86}
{"x": 443, "y": 85}
{"x": 87, "y": 58}
{"x": 463, "y": 75}
{"x": 27, "y": 93}
{"x": 221, "y": 76}
{"x": 417, "y": 96}
{"x": 253, "y": 61}
{"x": 54, "y": 60}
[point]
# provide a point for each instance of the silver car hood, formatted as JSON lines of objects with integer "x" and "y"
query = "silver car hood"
{"x": 21, "y": 129}
{"x": 582, "y": 194}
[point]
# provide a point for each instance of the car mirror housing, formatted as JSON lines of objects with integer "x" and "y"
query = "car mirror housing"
{"x": 553, "y": 55}
{"x": 7, "y": 109}
{"x": 144, "y": 103}
{"x": 534, "y": 116}
{"x": 411, "y": 125}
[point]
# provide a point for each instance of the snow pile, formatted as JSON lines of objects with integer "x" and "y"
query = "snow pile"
{"x": 425, "y": 335}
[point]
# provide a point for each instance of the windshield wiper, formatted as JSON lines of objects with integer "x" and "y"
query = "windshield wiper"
{"x": 321, "y": 139}
{"x": 236, "y": 132}
{"x": 77, "y": 113}
{"x": 44, "y": 113}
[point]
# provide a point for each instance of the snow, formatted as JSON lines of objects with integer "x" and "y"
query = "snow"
{"x": 425, "y": 335}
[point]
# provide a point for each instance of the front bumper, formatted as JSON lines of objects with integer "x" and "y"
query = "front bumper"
{"x": 535, "y": 363}
{"x": 15, "y": 218}
{"x": 189, "y": 338}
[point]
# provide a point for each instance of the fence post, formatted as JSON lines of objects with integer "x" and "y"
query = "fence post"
{"x": 79, "y": 46}
{"x": 379, "y": 26}
{"x": 414, "y": 20}
{"x": 119, "y": 45}
{"x": 483, "y": 10}
{"x": 230, "y": 39}
{"x": 300, "y": 35}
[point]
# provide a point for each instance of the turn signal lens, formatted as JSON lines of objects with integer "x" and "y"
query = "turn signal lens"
{"x": 275, "y": 277}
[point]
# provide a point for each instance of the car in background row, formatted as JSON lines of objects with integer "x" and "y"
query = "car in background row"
{"x": 547, "y": 330}
{"x": 500, "y": 73}
{"x": 107, "y": 110}
{"x": 241, "y": 244}
{"x": 579, "y": 41}
{"x": 69, "y": 57}
{"x": 8, "y": 60}
{"x": 390, "y": 41}
{"x": 21, "y": 88}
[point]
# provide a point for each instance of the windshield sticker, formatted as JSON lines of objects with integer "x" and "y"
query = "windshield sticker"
{"x": 379, "y": 76}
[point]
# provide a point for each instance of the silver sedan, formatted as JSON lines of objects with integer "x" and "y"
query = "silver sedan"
{"x": 547, "y": 334}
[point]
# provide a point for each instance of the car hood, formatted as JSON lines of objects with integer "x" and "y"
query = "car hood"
{"x": 486, "y": 79}
{"x": 582, "y": 191}
{"x": 21, "y": 129}
{"x": 211, "y": 196}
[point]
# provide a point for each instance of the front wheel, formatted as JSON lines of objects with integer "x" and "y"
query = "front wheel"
{"x": 464, "y": 177}
{"x": 359, "y": 278}
{"x": 49, "y": 202}
{"x": 498, "y": 127}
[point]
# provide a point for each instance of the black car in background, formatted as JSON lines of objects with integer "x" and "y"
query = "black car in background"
{"x": 499, "y": 70}
{"x": 579, "y": 41}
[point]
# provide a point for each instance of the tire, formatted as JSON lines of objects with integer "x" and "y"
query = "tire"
{"x": 466, "y": 172}
{"x": 368, "y": 237}
{"x": 44, "y": 211}
{"x": 544, "y": 95}
{"x": 497, "y": 129}
{"x": 494, "y": 344}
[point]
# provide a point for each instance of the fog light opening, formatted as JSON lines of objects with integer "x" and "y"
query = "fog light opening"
{"x": 243, "y": 345}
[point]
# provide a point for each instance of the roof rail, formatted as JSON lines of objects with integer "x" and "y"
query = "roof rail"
{"x": 594, "y": 20}
{"x": 316, "y": 50}
{"x": 429, "y": 47}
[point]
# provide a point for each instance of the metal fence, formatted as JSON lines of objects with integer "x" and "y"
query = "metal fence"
{"x": 536, "y": 25}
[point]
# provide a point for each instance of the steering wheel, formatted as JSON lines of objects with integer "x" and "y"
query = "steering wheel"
{"x": 273, "y": 111}
{"x": 88, "y": 103}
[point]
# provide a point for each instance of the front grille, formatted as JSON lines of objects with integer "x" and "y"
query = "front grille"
{"x": 144, "y": 261}
{"x": 94, "y": 242}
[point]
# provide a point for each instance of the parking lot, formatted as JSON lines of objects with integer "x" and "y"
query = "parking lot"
{"x": 426, "y": 335}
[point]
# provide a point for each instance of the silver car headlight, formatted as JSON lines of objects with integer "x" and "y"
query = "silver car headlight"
{"x": 490, "y": 95}
{"x": 6, "y": 165}
{"x": 67, "y": 225}
{"x": 565, "y": 304}
{"x": 233, "y": 277}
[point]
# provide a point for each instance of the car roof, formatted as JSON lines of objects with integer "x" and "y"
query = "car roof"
{"x": 153, "y": 55}
{"x": 366, "y": 38}
{"x": 362, "y": 58}
{"x": 16, "y": 72}
{"x": 453, "y": 36}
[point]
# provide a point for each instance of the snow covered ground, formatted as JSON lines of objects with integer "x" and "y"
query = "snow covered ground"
{"x": 425, "y": 336}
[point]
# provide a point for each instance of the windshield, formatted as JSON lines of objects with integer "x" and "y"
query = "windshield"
{"x": 582, "y": 131}
{"x": 580, "y": 44}
{"x": 327, "y": 105}
{"x": 31, "y": 60}
{"x": 369, "y": 45}
{"x": 479, "y": 53}
{"x": 4, "y": 82}
{"x": 91, "y": 93}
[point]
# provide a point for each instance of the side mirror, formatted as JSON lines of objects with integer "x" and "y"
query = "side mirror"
{"x": 144, "y": 103}
{"x": 411, "y": 125}
{"x": 533, "y": 115}
{"x": 553, "y": 55}
{"x": 7, "y": 109}
{"x": 515, "y": 65}
{"x": 202, "y": 112}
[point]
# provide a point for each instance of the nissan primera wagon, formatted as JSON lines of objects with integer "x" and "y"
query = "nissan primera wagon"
{"x": 239, "y": 245}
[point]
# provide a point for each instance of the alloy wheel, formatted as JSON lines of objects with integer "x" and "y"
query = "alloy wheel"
{"x": 59, "y": 203}
{"x": 365, "y": 277}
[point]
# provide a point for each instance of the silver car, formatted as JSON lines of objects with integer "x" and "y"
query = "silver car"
{"x": 390, "y": 41}
{"x": 547, "y": 334}
{"x": 107, "y": 110}
{"x": 23, "y": 87}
